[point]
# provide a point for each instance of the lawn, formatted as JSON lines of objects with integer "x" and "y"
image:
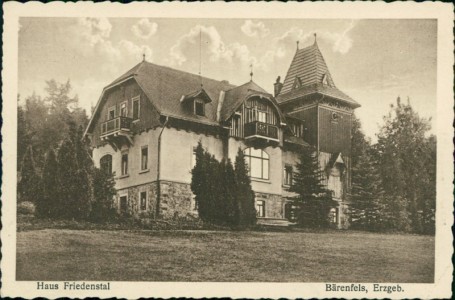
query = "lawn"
{"x": 337, "y": 256}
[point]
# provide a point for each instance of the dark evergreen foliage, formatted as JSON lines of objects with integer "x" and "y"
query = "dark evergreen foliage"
{"x": 22, "y": 138}
{"x": 229, "y": 191}
{"x": 102, "y": 208}
{"x": 224, "y": 195}
{"x": 313, "y": 200}
{"x": 49, "y": 203}
{"x": 366, "y": 195}
{"x": 67, "y": 173}
{"x": 29, "y": 187}
{"x": 243, "y": 192}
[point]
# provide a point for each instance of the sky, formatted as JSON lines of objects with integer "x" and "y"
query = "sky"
{"x": 373, "y": 61}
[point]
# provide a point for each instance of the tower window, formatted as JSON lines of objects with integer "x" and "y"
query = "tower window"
{"x": 199, "y": 108}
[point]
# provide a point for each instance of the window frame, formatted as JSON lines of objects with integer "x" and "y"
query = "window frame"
{"x": 194, "y": 204}
{"x": 102, "y": 163}
{"x": 142, "y": 158}
{"x": 122, "y": 169}
{"x": 143, "y": 206}
{"x": 193, "y": 158}
{"x": 249, "y": 156}
{"x": 198, "y": 101}
{"x": 286, "y": 168}
{"x": 125, "y": 103}
{"x": 138, "y": 100}
{"x": 236, "y": 125}
{"x": 263, "y": 113}
{"x": 260, "y": 209}
{"x": 120, "y": 203}
{"x": 114, "y": 109}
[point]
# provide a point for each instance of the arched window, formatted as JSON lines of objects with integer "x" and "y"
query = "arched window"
{"x": 106, "y": 164}
{"x": 258, "y": 163}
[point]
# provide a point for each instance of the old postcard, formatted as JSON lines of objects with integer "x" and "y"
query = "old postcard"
{"x": 243, "y": 150}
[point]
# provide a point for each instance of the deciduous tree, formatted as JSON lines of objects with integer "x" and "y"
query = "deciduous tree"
{"x": 406, "y": 161}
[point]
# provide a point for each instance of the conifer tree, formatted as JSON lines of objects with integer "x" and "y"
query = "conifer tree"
{"x": 244, "y": 193}
{"x": 366, "y": 209}
{"x": 313, "y": 200}
{"x": 29, "y": 186}
{"x": 199, "y": 183}
{"x": 229, "y": 195}
{"x": 48, "y": 206}
{"x": 22, "y": 137}
{"x": 69, "y": 188}
{"x": 103, "y": 193}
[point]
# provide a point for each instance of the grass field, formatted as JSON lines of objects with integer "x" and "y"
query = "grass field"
{"x": 56, "y": 254}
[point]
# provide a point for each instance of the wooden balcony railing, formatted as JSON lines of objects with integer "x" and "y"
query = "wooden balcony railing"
{"x": 115, "y": 125}
{"x": 258, "y": 129}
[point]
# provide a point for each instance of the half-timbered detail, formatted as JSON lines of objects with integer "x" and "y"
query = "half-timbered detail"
{"x": 148, "y": 122}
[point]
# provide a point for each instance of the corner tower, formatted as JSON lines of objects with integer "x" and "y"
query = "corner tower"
{"x": 309, "y": 94}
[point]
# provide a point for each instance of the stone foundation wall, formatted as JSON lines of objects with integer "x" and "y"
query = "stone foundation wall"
{"x": 134, "y": 205}
{"x": 274, "y": 205}
{"x": 176, "y": 200}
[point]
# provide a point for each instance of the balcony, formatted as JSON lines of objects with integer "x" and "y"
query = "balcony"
{"x": 260, "y": 130}
{"x": 116, "y": 130}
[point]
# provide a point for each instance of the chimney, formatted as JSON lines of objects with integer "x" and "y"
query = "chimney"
{"x": 277, "y": 86}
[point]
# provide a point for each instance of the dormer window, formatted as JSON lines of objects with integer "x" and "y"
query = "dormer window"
{"x": 195, "y": 102}
{"x": 297, "y": 83}
{"x": 199, "y": 107}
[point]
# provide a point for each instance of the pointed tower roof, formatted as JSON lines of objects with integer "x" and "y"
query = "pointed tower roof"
{"x": 308, "y": 67}
{"x": 309, "y": 74}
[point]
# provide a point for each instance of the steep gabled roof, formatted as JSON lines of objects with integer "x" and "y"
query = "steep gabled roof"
{"x": 309, "y": 74}
{"x": 236, "y": 96}
{"x": 165, "y": 87}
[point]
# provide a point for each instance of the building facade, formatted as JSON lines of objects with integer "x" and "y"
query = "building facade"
{"x": 148, "y": 122}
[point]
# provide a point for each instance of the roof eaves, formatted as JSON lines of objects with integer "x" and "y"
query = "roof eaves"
{"x": 205, "y": 122}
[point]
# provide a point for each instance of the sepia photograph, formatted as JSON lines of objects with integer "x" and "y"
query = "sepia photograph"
{"x": 239, "y": 149}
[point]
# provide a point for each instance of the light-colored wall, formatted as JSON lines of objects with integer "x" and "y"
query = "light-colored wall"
{"x": 177, "y": 153}
{"x": 289, "y": 158}
{"x": 135, "y": 175}
{"x": 274, "y": 184}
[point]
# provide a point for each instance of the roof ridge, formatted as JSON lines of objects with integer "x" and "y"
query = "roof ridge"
{"x": 123, "y": 76}
{"x": 193, "y": 74}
